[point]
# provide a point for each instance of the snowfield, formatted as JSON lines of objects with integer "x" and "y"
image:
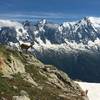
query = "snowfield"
{"x": 93, "y": 90}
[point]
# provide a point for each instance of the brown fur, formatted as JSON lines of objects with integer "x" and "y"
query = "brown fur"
{"x": 84, "y": 93}
{"x": 25, "y": 46}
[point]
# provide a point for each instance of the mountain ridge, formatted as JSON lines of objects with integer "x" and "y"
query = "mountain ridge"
{"x": 74, "y": 45}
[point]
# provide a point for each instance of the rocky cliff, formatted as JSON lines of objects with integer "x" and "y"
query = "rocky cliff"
{"x": 23, "y": 77}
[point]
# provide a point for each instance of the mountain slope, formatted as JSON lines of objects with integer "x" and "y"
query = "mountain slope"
{"x": 23, "y": 77}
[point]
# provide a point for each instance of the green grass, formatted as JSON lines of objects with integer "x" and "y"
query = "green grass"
{"x": 34, "y": 71}
{"x": 6, "y": 89}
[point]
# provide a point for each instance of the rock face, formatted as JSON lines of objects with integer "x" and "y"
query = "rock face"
{"x": 24, "y": 96}
{"x": 23, "y": 77}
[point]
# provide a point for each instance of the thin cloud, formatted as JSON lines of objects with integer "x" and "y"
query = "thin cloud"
{"x": 39, "y": 15}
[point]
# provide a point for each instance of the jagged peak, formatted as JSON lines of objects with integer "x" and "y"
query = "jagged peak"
{"x": 67, "y": 24}
{"x": 92, "y": 20}
{"x": 26, "y": 23}
{"x": 43, "y": 21}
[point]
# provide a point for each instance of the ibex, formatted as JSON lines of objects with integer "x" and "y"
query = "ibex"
{"x": 25, "y": 46}
{"x": 84, "y": 93}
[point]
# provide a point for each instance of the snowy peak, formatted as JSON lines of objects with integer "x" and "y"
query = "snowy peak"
{"x": 82, "y": 31}
{"x": 67, "y": 24}
{"x": 43, "y": 21}
{"x": 94, "y": 20}
{"x": 11, "y": 31}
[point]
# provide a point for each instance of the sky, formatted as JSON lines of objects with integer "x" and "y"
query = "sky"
{"x": 54, "y": 10}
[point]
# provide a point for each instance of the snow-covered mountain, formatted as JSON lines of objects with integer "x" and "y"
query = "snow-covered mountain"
{"x": 73, "y": 46}
{"x": 85, "y": 31}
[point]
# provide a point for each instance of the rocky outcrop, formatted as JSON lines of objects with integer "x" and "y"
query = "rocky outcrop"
{"x": 23, "y": 77}
{"x": 24, "y": 96}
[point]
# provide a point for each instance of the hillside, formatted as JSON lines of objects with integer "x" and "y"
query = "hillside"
{"x": 23, "y": 77}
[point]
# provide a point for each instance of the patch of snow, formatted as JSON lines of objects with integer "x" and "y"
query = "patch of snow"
{"x": 67, "y": 24}
{"x": 43, "y": 21}
{"x": 93, "y": 90}
{"x": 83, "y": 22}
{"x": 26, "y": 43}
{"x": 48, "y": 42}
{"x": 14, "y": 45}
{"x": 40, "y": 41}
{"x": 91, "y": 44}
{"x": 95, "y": 21}
{"x": 80, "y": 36}
{"x": 60, "y": 28}
{"x": 36, "y": 32}
{"x": 41, "y": 29}
{"x": 97, "y": 41}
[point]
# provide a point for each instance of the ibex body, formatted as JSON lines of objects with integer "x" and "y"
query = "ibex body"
{"x": 26, "y": 46}
{"x": 84, "y": 93}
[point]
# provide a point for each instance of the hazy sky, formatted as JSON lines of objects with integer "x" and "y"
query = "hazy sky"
{"x": 51, "y": 9}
